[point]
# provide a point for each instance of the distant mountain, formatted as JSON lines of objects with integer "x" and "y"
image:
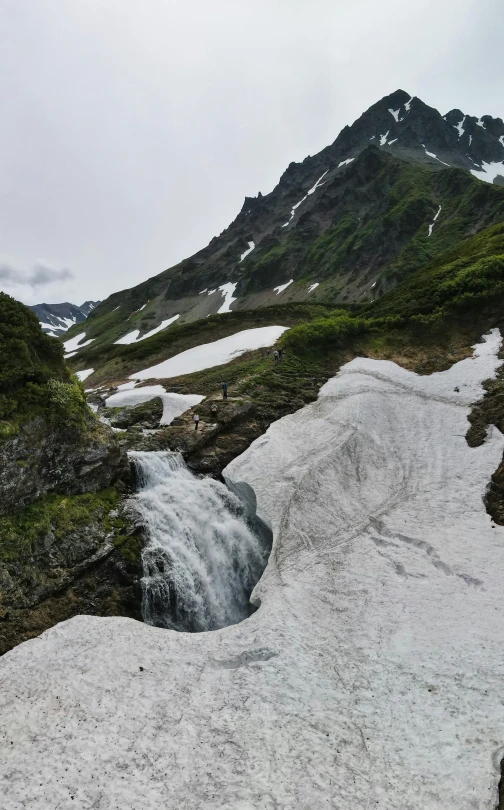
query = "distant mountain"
{"x": 56, "y": 319}
{"x": 394, "y": 190}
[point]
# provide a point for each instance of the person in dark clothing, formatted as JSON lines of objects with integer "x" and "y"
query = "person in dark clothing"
{"x": 280, "y": 354}
{"x": 224, "y": 390}
{"x": 275, "y": 355}
{"x": 196, "y": 421}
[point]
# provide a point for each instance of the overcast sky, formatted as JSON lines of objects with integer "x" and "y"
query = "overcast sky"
{"x": 131, "y": 130}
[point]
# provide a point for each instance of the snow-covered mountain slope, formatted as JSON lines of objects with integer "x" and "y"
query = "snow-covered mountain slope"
{"x": 56, "y": 319}
{"x": 370, "y": 675}
{"x": 344, "y": 225}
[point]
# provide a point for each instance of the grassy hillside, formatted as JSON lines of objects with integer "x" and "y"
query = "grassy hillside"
{"x": 34, "y": 378}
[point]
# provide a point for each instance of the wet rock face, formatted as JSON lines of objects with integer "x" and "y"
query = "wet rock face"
{"x": 67, "y": 544}
{"x": 42, "y": 459}
{"x": 147, "y": 414}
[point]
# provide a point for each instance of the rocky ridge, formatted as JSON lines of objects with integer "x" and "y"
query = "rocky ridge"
{"x": 56, "y": 319}
{"x": 341, "y": 226}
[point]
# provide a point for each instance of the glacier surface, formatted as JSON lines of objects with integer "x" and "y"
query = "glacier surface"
{"x": 370, "y": 676}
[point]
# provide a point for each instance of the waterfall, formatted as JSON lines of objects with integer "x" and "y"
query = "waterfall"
{"x": 202, "y": 557}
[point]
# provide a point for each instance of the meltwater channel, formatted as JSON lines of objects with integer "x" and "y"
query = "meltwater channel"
{"x": 203, "y": 557}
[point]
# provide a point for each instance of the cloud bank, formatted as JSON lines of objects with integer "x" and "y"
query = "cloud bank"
{"x": 40, "y": 280}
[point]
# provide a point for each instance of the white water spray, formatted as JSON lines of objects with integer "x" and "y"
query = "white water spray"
{"x": 202, "y": 559}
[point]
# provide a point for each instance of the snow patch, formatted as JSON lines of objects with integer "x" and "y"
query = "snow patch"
{"x": 407, "y": 106}
{"x": 346, "y": 162}
{"x": 393, "y": 141}
{"x": 115, "y": 310}
{"x": 470, "y": 140}
{"x": 489, "y": 171}
{"x": 480, "y": 123}
{"x": 133, "y": 337}
{"x": 383, "y": 138}
{"x": 75, "y": 344}
{"x": 282, "y": 287}
{"x": 434, "y": 220}
{"x": 313, "y": 286}
{"x": 432, "y": 155}
{"x": 311, "y": 191}
{"x": 173, "y": 404}
{"x": 250, "y": 248}
{"x": 460, "y": 127}
{"x": 83, "y": 375}
{"x": 213, "y": 354}
{"x": 227, "y": 290}
{"x": 501, "y": 140}
{"x": 395, "y": 114}
{"x": 203, "y": 291}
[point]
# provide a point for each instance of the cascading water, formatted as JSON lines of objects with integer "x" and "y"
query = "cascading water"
{"x": 202, "y": 557}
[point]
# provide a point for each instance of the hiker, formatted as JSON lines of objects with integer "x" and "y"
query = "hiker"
{"x": 280, "y": 354}
{"x": 213, "y": 409}
{"x": 224, "y": 390}
{"x": 275, "y": 355}
{"x": 196, "y": 421}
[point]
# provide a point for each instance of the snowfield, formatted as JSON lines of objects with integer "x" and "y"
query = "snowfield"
{"x": 371, "y": 675}
{"x": 212, "y": 354}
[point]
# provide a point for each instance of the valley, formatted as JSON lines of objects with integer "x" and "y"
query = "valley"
{"x": 252, "y": 509}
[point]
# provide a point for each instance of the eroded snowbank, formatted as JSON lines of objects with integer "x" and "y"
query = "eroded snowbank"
{"x": 371, "y": 675}
{"x": 173, "y": 404}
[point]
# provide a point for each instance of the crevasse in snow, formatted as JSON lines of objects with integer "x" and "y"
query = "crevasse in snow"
{"x": 375, "y": 656}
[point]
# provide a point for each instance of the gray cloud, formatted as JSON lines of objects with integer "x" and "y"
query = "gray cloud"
{"x": 39, "y": 276}
{"x": 130, "y": 137}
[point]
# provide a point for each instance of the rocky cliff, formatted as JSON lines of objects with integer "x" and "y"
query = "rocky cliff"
{"x": 65, "y": 540}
